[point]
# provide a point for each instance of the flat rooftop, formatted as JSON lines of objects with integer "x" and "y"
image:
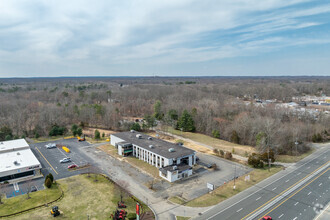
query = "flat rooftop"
{"x": 13, "y": 145}
{"x": 20, "y": 153}
{"x": 160, "y": 147}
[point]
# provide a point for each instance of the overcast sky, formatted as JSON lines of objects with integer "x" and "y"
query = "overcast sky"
{"x": 164, "y": 38}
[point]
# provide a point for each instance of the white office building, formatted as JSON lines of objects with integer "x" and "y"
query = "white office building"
{"x": 17, "y": 161}
{"x": 174, "y": 161}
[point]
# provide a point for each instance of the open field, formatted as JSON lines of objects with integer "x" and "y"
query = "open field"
{"x": 135, "y": 162}
{"x": 214, "y": 142}
{"x": 84, "y": 197}
{"x": 293, "y": 159}
{"x": 177, "y": 200}
{"x": 50, "y": 138}
{"x": 20, "y": 203}
{"x": 226, "y": 191}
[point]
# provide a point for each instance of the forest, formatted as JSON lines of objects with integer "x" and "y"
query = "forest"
{"x": 222, "y": 107}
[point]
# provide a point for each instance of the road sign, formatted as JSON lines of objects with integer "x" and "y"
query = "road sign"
{"x": 210, "y": 186}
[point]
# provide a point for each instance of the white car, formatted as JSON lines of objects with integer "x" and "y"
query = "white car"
{"x": 65, "y": 160}
{"x": 49, "y": 146}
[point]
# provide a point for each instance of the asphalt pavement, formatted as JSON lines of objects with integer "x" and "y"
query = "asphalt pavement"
{"x": 299, "y": 192}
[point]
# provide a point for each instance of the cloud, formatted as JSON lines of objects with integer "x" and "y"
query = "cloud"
{"x": 111, "y": 33}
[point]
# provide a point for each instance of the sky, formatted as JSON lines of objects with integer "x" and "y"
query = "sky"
{"x": 53, "y": 38}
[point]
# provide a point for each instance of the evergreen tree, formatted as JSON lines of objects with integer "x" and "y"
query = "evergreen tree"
{"x": 157, "y": 110}
{"x": 186, "y": 122}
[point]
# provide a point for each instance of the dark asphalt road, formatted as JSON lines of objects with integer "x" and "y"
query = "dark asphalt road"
{"x": 295, "y": 193}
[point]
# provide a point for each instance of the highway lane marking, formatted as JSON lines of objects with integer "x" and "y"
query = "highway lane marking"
{"x": 258, "y": 198}
{"x": 287, "y": 181}
{"x": 298, "y": 173}
{"x": 274, "y": 188}
{"x": 320, "y": 184}
{"x": 295, "y": 218}
{"x": 312, "y": 157}
{"x": 296, "y": 203}
{"x": 309, "y": 193}
{"x": 308, "y": 167}
{"x": 280, "y": 216}
{"x": 285, "y": 191}
{"x": 239, "y": 210}
{"x": 298, "y": 191}
{"x": 47, "y": 161}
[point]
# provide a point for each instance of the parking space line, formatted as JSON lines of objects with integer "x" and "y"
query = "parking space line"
{"x": 47, "y": 161}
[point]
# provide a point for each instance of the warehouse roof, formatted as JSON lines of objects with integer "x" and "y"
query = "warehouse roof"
{"x": 17, "y": 155}
{"x": 160, "y": 147}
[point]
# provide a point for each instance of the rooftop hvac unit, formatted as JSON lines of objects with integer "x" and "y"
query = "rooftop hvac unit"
{"x": 151, "y": 146}
{"x": 175, "y": 167}
{"x": 149, "y": 138}
{"x": 171, "y": 150}
{"x": 139, "y": 136}
{"x": 15, "y": 162}
{"x": 132, "y": 131}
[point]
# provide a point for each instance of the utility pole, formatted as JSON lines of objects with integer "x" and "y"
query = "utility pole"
{"x": 235, "y": 177}
{"x": 268, "y": 160}
{"x": 296, "y": 143}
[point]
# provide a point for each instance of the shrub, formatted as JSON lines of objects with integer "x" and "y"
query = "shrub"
{"x": 97, "y": 134}
{"x": 36, "y": 135}
{"x": 136, "y": 127}
{"x": 234, "y": 137}
{"x": 79, "y": 131}
{"x": 131, "y": 216}
{"x": 48, "y": 183}
{"x": 103, "y": 135}
{"x": 216, "y": 134}
{"x": 222, "y": 153}
{"x": 228, "y": 156}
{"x": 50, "y": 176}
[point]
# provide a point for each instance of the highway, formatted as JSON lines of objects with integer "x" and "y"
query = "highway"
{"x": 299, "y": 192}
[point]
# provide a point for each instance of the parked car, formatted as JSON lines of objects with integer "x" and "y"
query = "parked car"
{"x": 34, "y": 189}
{"x": 267, "y": 218}
{"x": 65, "y": 160}
{"x": 72, "y": 166}
{"x": 50, "y": 145}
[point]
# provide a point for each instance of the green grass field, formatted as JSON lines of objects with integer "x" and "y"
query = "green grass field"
{"x": 83, "y": 197}
{"x": 293, "y": 159}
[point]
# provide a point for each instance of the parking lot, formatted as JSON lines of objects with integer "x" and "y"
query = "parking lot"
{"x": 50, "y": 158}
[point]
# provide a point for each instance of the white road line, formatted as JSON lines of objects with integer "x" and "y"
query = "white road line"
{"x": 298, "y": 173}
{"x": 309, "y": 193}
{"x": 308, "y": 167}
{"x": 312, "y": 157}
{"x": 296, "y": 203}
{"x": 239, "y": 210}
{"x": 258, "y": 198}
{"x": 280, "y": 216}
{"x": 274, "y": 188}
{"x": 295, "y": 218}
{"x": 287, "y": 181}
{"x": 320, "y": 184}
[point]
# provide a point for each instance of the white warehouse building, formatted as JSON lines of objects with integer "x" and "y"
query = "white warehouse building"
{"x": 17, "y": 161}
{"x": 174, "y": 161}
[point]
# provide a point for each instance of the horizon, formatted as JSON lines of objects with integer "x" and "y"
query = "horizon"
{"x": 141, "y": 38}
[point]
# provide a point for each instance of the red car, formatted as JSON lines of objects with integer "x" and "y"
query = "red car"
{"x": 72, "y": 166}
{"x": 266, "y": 218}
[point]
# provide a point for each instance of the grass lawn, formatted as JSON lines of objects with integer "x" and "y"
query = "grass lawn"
{"x": 226, "y": 191}
{"x": 293, "y": 159}
{"x": 140, "y": 164}
{"x": 20, "y": 203}
{"x": 83, "y": 197}
{"x": 182, "y": 218}
{"x": 214, "y": 142}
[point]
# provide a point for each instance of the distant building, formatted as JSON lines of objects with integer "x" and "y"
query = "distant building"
{"x": 174, "y": 162}
{"x": 17, "y": 161}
